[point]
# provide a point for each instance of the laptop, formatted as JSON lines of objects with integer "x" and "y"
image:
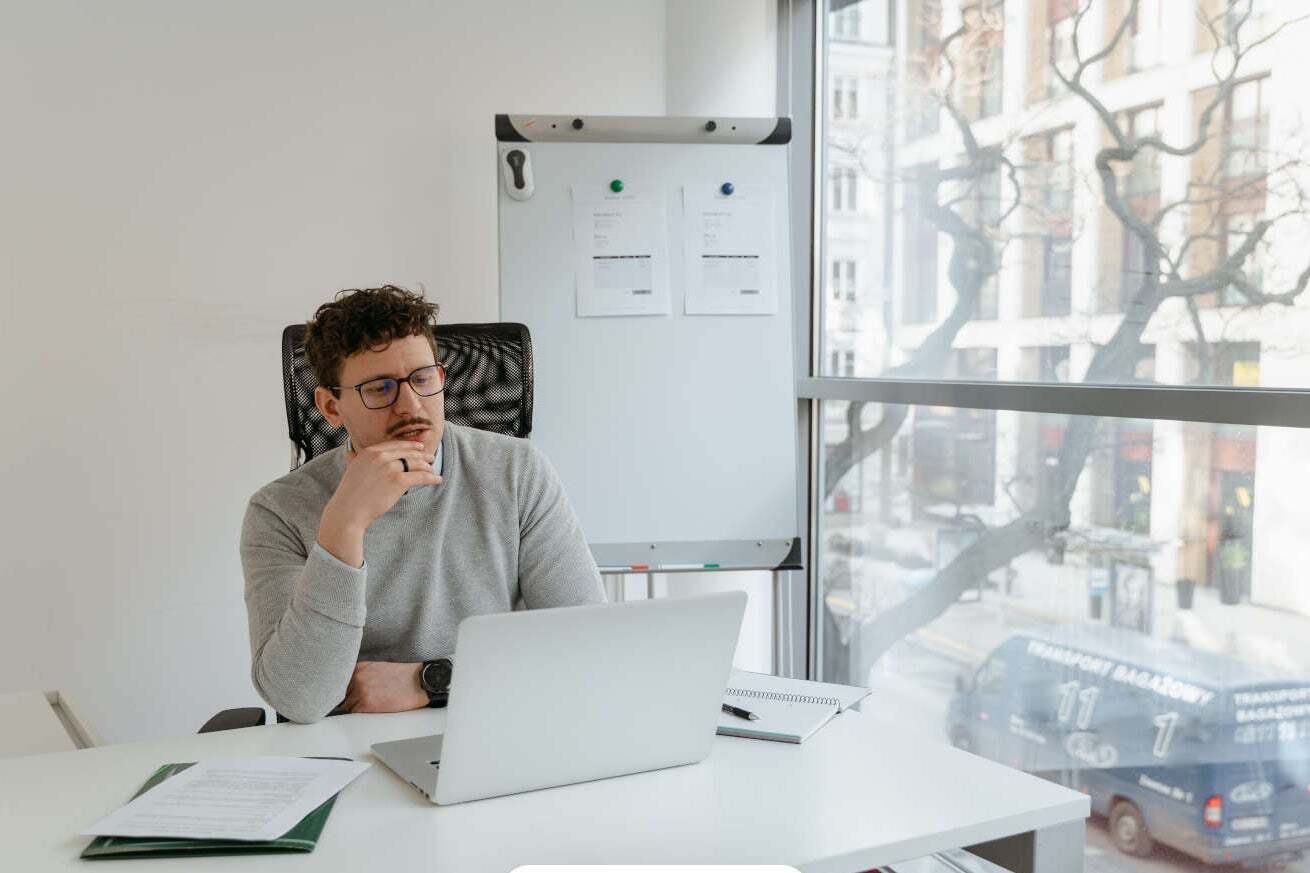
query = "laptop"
{"x": 549, "y": 697}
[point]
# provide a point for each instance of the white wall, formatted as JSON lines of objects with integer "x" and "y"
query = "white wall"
{"x": 177, "y": 182}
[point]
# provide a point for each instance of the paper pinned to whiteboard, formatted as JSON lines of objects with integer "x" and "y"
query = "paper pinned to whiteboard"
{"x": 621, "y": 243}
{"x": 728, "y": 243}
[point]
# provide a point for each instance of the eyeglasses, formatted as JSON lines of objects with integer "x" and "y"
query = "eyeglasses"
{"x": 381, "y": 393}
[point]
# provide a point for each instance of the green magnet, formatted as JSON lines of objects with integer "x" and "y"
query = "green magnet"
{"x": 616, "y": 186}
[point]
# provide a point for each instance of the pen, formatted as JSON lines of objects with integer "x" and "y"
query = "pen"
{"x": 740, "y": 713}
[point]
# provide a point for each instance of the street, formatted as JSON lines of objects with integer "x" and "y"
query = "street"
{"x": 911, "y": 687}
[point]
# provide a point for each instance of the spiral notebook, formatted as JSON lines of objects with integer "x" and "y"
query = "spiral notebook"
{"x": 789, "y": 710}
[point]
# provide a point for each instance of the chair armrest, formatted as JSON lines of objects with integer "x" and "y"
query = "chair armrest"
{"x": 246, "y": 716}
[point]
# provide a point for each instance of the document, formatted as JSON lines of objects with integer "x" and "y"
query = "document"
{"x": 728, "y": 251}
{"x": 621, "y": 251}
{"x": 232, "y": 799}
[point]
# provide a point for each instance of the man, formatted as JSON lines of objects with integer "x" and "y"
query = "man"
{"x": 360, "y": 564}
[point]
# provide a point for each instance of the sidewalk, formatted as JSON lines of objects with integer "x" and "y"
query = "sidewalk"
{"x": 1044, "y": 595}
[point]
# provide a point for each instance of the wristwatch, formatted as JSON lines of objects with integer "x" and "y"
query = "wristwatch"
{"x": 434, "y": 678}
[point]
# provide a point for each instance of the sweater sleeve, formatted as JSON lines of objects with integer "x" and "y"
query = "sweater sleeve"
{"x": 306, "y": 611}
{"x": 555, "y": 565}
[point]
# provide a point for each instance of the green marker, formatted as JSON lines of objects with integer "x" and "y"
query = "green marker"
{"x": 616, "y": 186}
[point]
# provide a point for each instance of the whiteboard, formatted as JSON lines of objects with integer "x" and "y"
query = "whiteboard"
{"x": 674, "y": 435}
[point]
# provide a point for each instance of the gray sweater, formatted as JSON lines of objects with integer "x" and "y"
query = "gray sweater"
{"x": 498, "y": 531}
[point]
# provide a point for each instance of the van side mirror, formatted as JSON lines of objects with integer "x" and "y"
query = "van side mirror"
{"x": 963, "y": 683}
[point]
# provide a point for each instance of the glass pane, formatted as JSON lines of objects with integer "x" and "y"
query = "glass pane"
{"x": 1115, "y": 604}
{"x": 963, "y": 179}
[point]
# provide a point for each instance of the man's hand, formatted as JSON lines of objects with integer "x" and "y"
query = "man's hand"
{"x": 383, "y": 686}
{"x": 374, "y": 480}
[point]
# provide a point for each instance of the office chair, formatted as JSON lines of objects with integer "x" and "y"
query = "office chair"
{"x": 488, "y": 386}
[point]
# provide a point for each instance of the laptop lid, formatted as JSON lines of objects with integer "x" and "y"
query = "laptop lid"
{"x": 556, "y": 696}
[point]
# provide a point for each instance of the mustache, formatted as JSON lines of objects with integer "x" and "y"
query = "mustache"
{"x": 406, "y": 425}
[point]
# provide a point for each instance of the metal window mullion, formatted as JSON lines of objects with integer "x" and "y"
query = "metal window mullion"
{"x": 1267, "y": 407}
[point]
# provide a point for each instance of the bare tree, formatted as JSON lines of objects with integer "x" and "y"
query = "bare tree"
{"x": 1163, "y": 271}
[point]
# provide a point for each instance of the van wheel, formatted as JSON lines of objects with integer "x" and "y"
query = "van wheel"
{"x": 1128, "y": 830}
{"x": 961, "y": 740}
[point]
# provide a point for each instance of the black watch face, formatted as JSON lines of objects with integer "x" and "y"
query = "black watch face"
{"x": 436, "y": 676}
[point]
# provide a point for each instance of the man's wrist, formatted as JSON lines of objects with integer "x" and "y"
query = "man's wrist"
{"x": 342, "y": 538}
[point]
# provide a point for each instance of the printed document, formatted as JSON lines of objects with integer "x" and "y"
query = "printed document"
{"x": 621, "y": 251}
{"x": 728, "y": 245}
{"x": 232, "y": 799}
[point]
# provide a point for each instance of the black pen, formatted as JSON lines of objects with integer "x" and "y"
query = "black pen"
{"x": 740, "y": 713}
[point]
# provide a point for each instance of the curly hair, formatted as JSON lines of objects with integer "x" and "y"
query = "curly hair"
{"x": 364, "y": 318}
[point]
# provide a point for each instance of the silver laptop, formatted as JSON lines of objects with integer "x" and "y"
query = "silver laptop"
{"x": 551, "y": 697}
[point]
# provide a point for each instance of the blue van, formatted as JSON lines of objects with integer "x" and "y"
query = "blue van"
{"x": 1194, "y": 750}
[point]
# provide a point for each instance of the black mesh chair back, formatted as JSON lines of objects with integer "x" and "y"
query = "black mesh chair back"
{"x": 488, "y": 384}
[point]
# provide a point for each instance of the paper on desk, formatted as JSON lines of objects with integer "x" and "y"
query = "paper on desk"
{"x": 232, "y": 799}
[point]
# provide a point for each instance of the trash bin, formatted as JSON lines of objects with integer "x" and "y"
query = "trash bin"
{"x": 1233, "y": 562}
{"x": 1186, "y": 591}
{"x": 1230, "y": 586}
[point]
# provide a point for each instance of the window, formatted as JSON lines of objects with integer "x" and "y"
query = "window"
{"x": 845, "y": 190}
{"x": 1141, "y": 194}
{"x": 1061, "y": 15}
{"x": 1147, "y": 33}
{"x": 1245, "y": 169}
{"x": 1056, "y": 253}
{"x": 1054, "y": 364}
{"x": 842, "y": 363}
{"x": 982, "y": 68}
{"x": 923, "y": 68}
{"x": 1098, "y": 507}
{"x": 846, "y": 22}
{"x": 919, "y": 291}
{"x": 843, "y": 280}
{"x": 1246, "y": 131}
{"x": 1249, "y": 20}
{"x": 845, "y": 97}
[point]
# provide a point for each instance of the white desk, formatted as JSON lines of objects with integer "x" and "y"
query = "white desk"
{"x": 851, "y": 798}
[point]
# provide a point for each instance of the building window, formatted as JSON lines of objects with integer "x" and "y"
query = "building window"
{"x": 1057, "y": 275}
{"x": 919, "y": 292}
{"x": 1246, "y": 131}
{"x": 1141, "y": 194}
{"x": 1060, "y": 15}
{"x": 1057, "y": 240}
{"x": 843, "y": 280}
{"x": 845, "y": 97}
{"x": 845, "y": 190}
{"x": 1146, "y": 32}
{"x": 846, "y": 22}
{"x": 982, "y": 80}
{"x": 1053, "y": 364}
{"x": 1245, "y": 168}
{"x": 841, "y": 362}
{"x": 1249, "y": 20}
{"x": 984, "y": 212}
{"x": 924, "y": 24}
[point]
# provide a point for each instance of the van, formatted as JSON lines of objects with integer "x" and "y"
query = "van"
{"x": 1196, "y": 751}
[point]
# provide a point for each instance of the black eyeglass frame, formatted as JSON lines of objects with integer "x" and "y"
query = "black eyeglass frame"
{"x": 359, "y": 389}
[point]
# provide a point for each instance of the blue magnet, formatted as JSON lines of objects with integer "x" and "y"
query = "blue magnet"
{"x": 727, "y": 188}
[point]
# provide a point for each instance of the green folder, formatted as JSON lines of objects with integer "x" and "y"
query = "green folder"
{"x": 301, "y": 838}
